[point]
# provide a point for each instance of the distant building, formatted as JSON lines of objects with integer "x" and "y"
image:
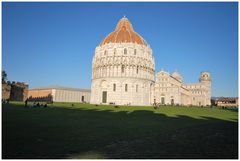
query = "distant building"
{"x": 59, "y": 94}
{"x": 14, "y": 91}
{"x": 170, "y": 89}
{"x": 227, "y": 102}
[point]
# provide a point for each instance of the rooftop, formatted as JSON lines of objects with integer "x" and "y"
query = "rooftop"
{"x": 124, "y": 33}
{"x": 62, "y": 88}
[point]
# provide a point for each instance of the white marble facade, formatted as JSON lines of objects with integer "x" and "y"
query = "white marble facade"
{"x": 123, "y": 70}
{"x": 169, "y": 89}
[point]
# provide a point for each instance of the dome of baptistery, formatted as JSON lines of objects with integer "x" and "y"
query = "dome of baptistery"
{"x": 122, "y": 68}
{"x": 124, "y": 33}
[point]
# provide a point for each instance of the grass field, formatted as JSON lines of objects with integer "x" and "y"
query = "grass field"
{"x": 88, "y": 131}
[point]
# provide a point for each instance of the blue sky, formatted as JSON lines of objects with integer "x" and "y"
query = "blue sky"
{"x": 53, "y": 43}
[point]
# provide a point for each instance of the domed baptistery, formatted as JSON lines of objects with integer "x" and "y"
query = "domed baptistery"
{"x": 123, "y": 68}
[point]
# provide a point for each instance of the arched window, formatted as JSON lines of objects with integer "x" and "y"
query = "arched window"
{"x": 135, "y": 51}
{"x": 137, "y": 88}
{"x": 114, "y": 53}
{"x": 137, "y": 70}
{"x": 126, "y": 87}
{"x": 122, "y": 68}
{"x": 114, "y": 87}
{"x": 105, "y": 52}
{"x": 125, "y": 51}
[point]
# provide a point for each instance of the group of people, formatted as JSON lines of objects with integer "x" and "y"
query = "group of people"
{"x": 35, "y": 104}
{"x": 5, "y": 101}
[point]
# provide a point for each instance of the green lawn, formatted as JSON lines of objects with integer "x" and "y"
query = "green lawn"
{"x": 88, "y": 131}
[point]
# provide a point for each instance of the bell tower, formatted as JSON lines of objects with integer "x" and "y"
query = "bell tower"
{"x": 206, "y": 80}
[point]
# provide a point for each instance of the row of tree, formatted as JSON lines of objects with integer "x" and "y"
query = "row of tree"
{"x": 4, "y": 76}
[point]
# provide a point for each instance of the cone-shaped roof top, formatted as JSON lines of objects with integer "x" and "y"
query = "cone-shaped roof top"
{"x": 124, "y": 33}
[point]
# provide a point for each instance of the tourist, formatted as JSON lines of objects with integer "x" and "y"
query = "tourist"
{"x": 26, "y": 102}
{"x": 3, "y": 101}
{"x": 34, "y": 104}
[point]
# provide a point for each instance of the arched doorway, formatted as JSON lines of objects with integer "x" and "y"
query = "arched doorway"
{"x": 162, "y": 100}
{"x": 104, "y": 85}
{"x": 172, "y": 100}
{"x": 104, "y": 97}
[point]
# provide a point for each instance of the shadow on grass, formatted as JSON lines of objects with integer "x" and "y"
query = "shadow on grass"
{"x": 92, "y": 133}
{"x": 232, "y": 109}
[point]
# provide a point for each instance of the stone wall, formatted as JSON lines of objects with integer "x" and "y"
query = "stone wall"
{"x": 40, "y": 95}
{"x": 14, "y": 91}
{"x": 19, "y": 91}
{"x": 34, "y": 93}
{"x": 6, "y": 90}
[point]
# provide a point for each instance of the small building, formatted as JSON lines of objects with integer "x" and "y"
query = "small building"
{"x": 59, "y": 94}
{"x": 227, "y": 102}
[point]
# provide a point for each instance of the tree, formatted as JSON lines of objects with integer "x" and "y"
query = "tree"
{"x": 4, "y": 76}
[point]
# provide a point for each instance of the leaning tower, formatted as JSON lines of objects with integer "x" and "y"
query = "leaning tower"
{"x": 122, "y": 68}
{"x": 206, "y": 81}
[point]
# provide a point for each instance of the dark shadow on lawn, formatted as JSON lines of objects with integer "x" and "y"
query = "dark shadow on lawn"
{"x": 84, "y": 133}
{"x": 232, "y": 109}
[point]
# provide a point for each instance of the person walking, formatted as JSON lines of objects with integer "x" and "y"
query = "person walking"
{"x": 26, "y": 102}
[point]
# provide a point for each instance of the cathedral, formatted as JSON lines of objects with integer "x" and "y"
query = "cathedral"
{"x": 123, "y": 69}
